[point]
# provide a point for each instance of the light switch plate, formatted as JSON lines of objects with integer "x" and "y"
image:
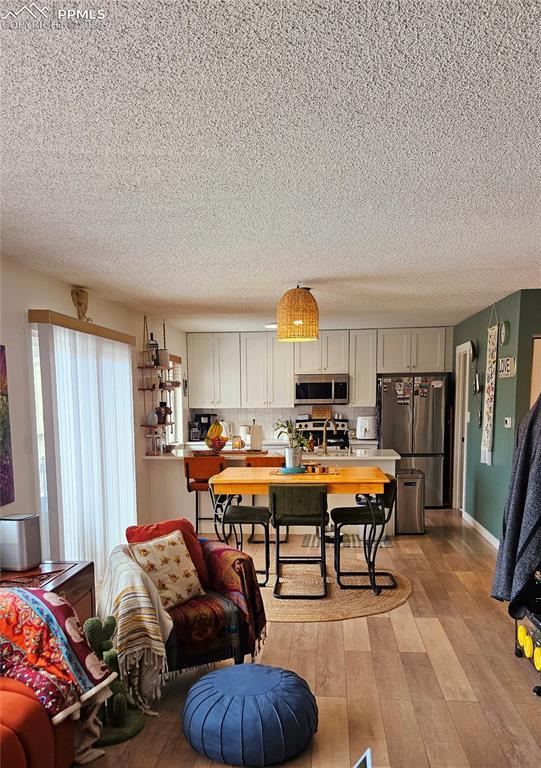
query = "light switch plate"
{"x": 508, "y": 422}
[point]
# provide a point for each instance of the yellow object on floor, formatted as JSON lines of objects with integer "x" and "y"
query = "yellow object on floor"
{"x": 528, "y": 646}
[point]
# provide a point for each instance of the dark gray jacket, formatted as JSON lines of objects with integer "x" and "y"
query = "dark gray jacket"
{"x": 519, "y": 555}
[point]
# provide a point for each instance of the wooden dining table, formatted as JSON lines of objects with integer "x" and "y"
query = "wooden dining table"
{"x": 256, "y": 480}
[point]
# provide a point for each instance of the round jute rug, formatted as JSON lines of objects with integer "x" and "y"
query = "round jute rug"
{"x": 339, "y": 604}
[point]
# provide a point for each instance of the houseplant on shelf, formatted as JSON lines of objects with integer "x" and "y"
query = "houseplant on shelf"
{"x": 296, "y": 440}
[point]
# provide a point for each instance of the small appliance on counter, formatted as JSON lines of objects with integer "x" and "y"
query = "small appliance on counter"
{"x": 227, "y": 428}
{"x": 194, "y": 432}
{"x": 366, "y": 428}
{"x": 20, "y": 545}
{"x": 203, "y": 421}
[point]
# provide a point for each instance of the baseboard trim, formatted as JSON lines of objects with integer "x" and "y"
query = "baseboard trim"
{"x": 481, "y": 529}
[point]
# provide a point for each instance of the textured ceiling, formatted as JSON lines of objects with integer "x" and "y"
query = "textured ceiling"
{"x": 196, "y": 159}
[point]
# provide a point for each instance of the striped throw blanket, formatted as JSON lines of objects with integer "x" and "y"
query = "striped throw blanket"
{"x": 143, "y": 624}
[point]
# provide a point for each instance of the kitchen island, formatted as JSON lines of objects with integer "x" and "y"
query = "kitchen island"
{"x": 169, "y": 497}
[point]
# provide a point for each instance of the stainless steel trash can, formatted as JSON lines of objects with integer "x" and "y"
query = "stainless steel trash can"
{"x": 410, "y": 501}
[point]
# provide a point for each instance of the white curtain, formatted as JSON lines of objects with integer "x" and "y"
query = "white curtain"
{"x": 91, "y": 388}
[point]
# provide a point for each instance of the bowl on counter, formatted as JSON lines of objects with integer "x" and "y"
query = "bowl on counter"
{"x": 216, "y": 444}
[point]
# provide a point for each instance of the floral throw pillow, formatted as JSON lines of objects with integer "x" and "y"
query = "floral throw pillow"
{"x": 167, "y": 561}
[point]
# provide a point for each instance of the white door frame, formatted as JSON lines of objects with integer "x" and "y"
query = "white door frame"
{"x": 462, "y": 419}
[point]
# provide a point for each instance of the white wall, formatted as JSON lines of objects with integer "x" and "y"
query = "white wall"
{"x": 23, "y": 289}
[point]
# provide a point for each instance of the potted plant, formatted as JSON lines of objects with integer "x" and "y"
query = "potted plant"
{"x": 296, "y": 440}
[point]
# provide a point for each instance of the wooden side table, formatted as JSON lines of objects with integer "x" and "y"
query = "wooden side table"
{"x": 73, "y": 581}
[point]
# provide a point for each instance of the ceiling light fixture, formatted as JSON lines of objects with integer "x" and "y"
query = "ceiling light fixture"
{"x": 298, "y": 315}
{"x": 271, "y": 326}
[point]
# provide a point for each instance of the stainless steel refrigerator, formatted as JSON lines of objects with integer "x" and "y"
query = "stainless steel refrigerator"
{"x": 412, "y": 418}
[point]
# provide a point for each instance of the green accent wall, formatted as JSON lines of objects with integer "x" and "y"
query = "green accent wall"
{"x": 486, "y": 486}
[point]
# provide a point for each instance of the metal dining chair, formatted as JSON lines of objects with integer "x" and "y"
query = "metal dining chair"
{"x": 374, "y": 513}
{"x": 237, "y": 515}
{"x": 264, "y": 461}
{"x": 296, "y": 504}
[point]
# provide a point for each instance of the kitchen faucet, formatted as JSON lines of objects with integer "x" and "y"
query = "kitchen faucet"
{"x": 327, "y": 422}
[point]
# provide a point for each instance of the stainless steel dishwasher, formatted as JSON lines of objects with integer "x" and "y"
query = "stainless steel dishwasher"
{"x": 410, "y": 501}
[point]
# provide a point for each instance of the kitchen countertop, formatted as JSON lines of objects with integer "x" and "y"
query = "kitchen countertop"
{"x": 358, "y": 454}
{"x": 282, "y": 443}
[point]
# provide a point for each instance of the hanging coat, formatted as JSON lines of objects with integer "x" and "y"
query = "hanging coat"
{"x": 519, "y": 555}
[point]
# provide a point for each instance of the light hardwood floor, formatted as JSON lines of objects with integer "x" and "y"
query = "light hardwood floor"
{"x": 433, "y": 683}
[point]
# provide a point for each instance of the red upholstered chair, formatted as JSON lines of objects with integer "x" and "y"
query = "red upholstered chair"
{"x": 28, "y": 739}
{"x": 228, "y": 620}
{"x": 198, "y": 470}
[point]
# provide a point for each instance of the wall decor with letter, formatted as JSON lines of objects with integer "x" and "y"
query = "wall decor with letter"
{"x": 490, "y": 393}
{"x": 7, "y": 488}
{"x": 506, "y": 367}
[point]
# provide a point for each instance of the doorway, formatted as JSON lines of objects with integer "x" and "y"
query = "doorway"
{"x": 462, "y": 419}
{"x": 535, "y": 386}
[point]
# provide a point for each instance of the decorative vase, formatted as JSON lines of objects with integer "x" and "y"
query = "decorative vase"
{"x": 293, "y": 457}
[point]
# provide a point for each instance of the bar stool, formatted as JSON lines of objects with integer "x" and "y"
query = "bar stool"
{"x": 292, "y": 504}
{"x": 264, "y": 461}
{"x": 372, "y": 513}
{"x": 198, "y": 470}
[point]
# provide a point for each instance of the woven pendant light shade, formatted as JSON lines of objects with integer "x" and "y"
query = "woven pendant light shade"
{"x": 297, "y": 316}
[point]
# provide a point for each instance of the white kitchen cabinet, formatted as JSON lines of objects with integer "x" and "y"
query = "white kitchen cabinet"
{"x": 412, "y": 350}
{"x": 227, "y": 370}
{"x": 327, "y": 355}
{"x": 213, "y": 370}
{"x": 280, "y": 387}
{"x": 334, "y": 351}
{"x": 266, "y": 371}
{"x": 362, "y": 367}
{"x": 427, "y": 350}
{"x": 200, "y": 347}
{"x": 308, "y": 356}
{"x": 254, "y": 363}
{"x": 394, "y": 350}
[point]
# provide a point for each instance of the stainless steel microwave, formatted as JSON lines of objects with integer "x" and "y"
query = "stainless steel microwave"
{"x": 324, "y": 389}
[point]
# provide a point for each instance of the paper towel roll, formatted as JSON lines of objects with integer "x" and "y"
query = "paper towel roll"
{"x": 256, "y": 437}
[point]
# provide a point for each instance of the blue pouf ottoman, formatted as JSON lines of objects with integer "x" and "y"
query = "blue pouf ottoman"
{"x": 250, "y": 714}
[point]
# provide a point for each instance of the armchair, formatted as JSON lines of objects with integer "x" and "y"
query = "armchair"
{"x": 228, "y": 621}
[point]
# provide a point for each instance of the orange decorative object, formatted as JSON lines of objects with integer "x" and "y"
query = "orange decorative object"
{"x": 27, "y": 737}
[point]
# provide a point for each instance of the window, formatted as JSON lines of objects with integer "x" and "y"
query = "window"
{"x": 177, "y": 431}
{"x": 86, "y": 390}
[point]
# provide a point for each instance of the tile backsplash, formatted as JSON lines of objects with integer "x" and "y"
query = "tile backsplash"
{"x": 268, "y": 416}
